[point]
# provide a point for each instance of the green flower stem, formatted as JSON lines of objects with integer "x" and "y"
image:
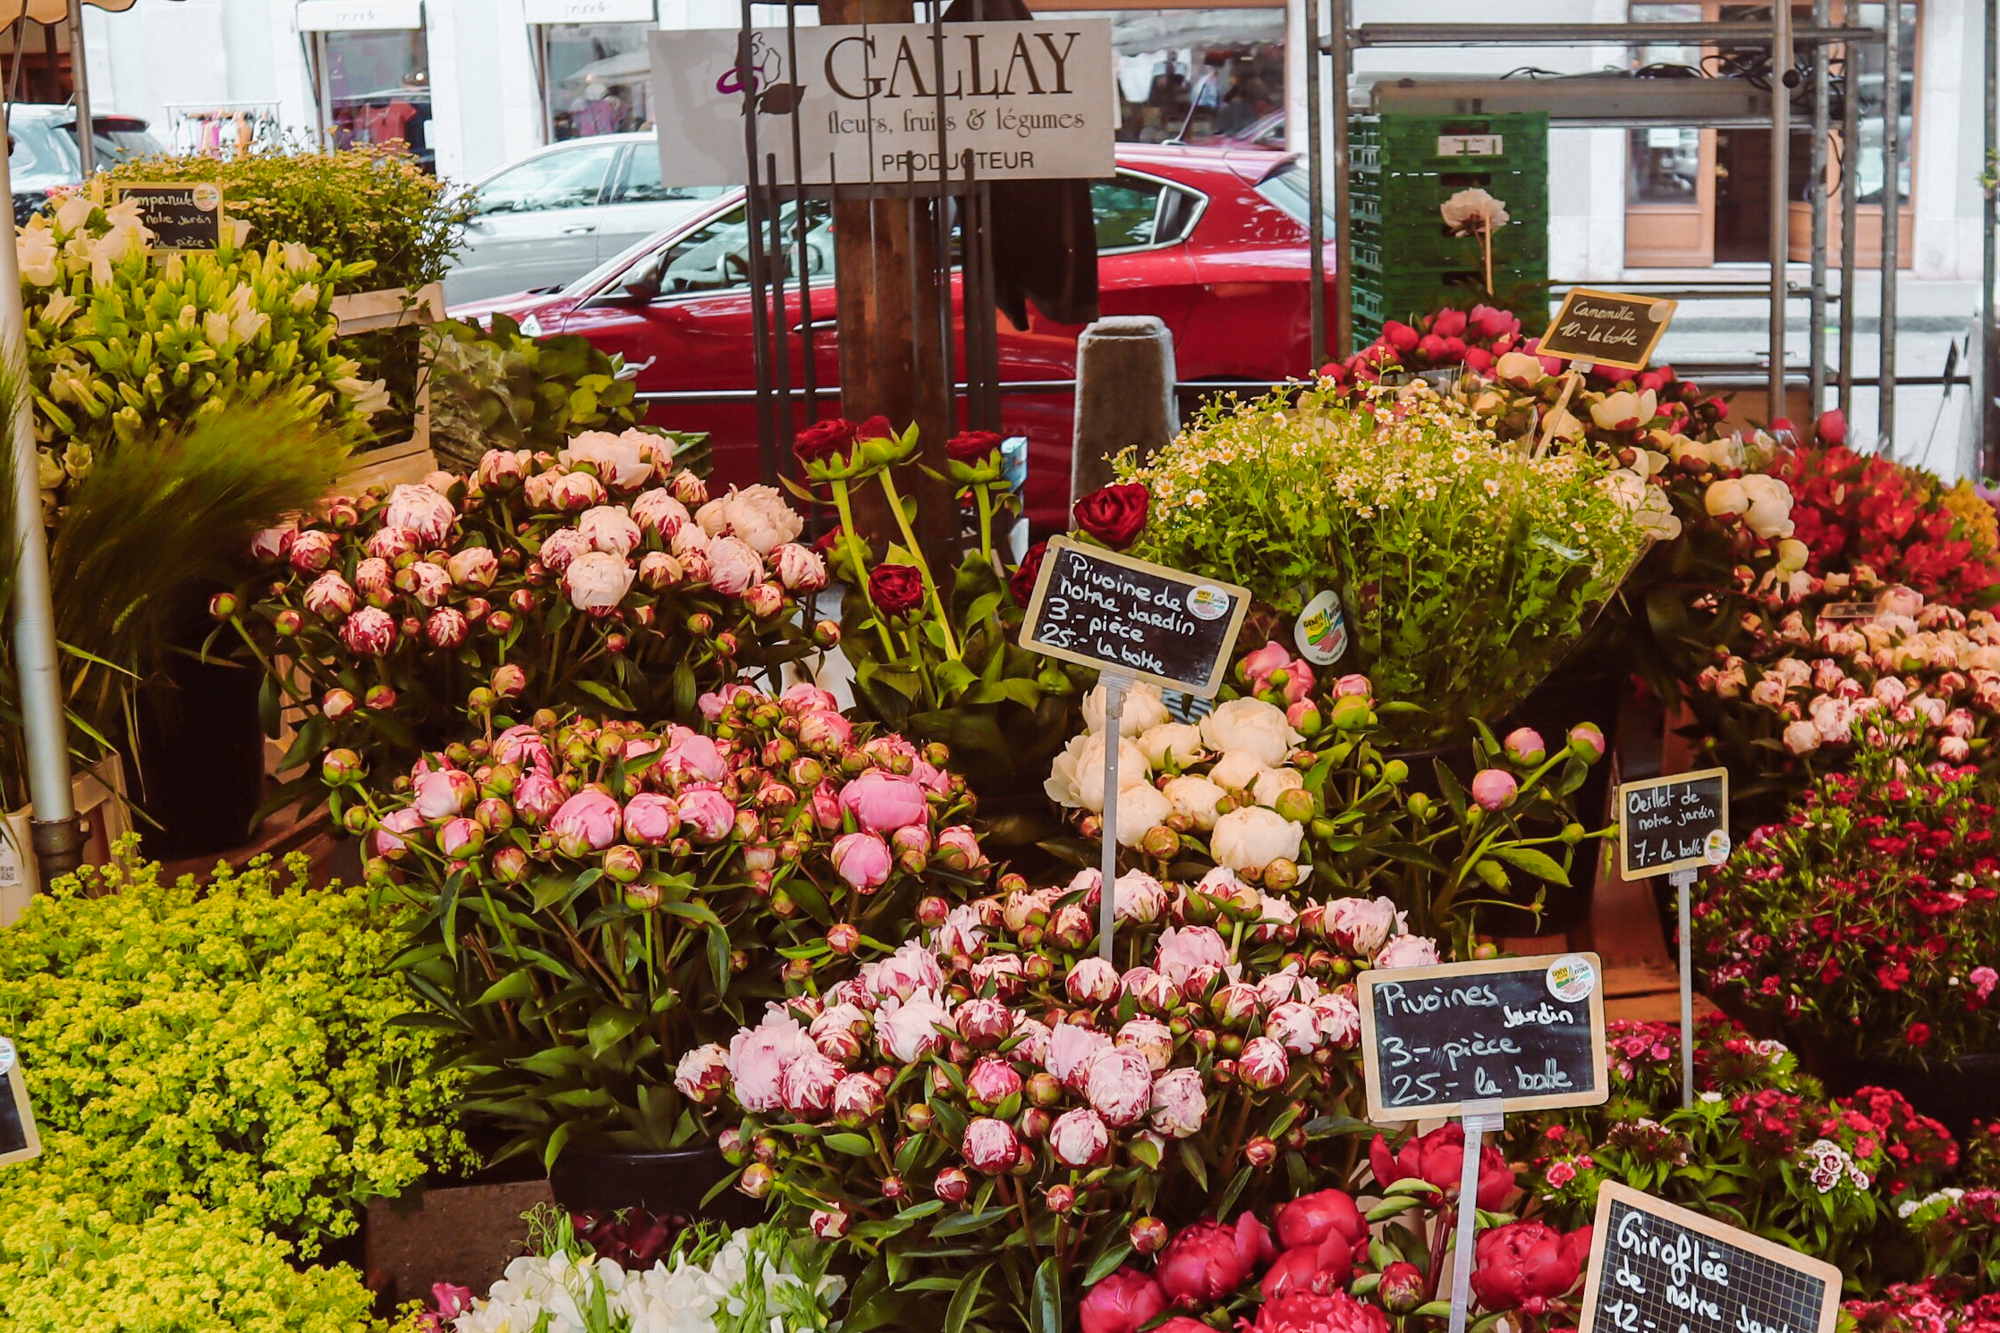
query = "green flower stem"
{"x": 983, "y": 494}
{"x": 923, "y": 566}
{"x": 853, "y": 541}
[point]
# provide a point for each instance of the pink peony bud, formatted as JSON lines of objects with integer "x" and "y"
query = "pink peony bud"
{"x": 992, "y": 1082}
{"x": 509, "y": 681}
{"x": 1524, "y": 746}
{"x": 1492, "y": 788}
{"x": 952, "y": 1185}
{"x": 1079, "y": 1139}
{"x": 1091, "y": 981}
{"x": 990, "y": 1146}
{"x": 1586, "y": 742}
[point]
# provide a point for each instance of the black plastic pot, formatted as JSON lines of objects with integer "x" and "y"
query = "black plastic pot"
{"x": 666, "y": 1184}
{"x": 1954, "y": 1092}
{"x": 200, "y": 758}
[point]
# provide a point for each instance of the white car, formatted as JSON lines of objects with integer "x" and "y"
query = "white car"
{"x": 561, "y": 211}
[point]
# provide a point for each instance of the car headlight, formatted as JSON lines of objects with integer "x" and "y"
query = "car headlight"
{"x": 532, "y": 327}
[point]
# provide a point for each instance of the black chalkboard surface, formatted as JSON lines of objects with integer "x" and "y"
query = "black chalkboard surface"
{"x": 1607, "y": 328}
{"x": 1655, "y": 1268}
{"x": 1673, "y": 823}
{"x": 182, "y": 215}
{"x": 18, "y": 1139}
{"x": 1527, "y": 1033}
{"x": 1102, "y": 609}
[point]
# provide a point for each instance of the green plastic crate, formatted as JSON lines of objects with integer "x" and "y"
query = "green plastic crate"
{"x": 1407, "y": 143}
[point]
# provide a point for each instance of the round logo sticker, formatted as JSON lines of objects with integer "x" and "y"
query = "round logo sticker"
{"x": 6, "y": 1055}
{"x": 207, "y": 198}
{"x": 1208, "y": 602}
{"x": 1572, "y": 977}
{"x": 1715, "y": 850}
{"x": 1321, "y": 631}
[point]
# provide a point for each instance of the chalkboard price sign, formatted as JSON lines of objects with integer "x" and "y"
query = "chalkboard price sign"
{"x": 1118, "y": 613}
{"x": 1655, "y": 1268}
{"x": 1526, "y": 1033}
{"x": 183, "y": 216}
{"x": 1674, "y": 823}
{"x": 1607, "y": 328}
{"x": 18, "y": 1139}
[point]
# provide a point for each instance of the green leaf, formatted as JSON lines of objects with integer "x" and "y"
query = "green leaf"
{"x": 854, "y": 1145}
{"x": 1045, "y": 1313}
{"x": 609, "y": 1025}
{"x": 1538, "y": 864}
{"x": 960, "y": 1224}
{"x": 963, "y": 1300}
{"x": 513, "y": 986}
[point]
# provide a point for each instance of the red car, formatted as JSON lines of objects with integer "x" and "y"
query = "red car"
{"x": 1211, "y": 240}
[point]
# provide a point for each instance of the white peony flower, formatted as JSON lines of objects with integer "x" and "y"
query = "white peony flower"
{"x": 1238, "y": 771}
{"x": 756, "y": 514}
{"x": 597, "y": 581}
{"x": 1253, "y": 726}
{"x": 1252, "y": 838}
{"x": 1274, "y": 782}
{"x": 1076, "y": 779}
{"x": 616, "y": 459}
{"x": 1172, "y": 745}
{"x": 1141, "y": 807}
{"x": 1143, "y": 709}
{"x": 1473, "y": 211}
{"x": 1195, "y": 798}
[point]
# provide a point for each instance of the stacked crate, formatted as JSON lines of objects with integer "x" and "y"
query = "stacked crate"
{"x": 1402, "y": 168}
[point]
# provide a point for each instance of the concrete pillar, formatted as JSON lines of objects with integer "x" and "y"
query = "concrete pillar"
{"x": 1124, "y": 395}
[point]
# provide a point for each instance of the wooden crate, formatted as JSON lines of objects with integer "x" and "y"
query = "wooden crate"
{"x": 393, "y": 308}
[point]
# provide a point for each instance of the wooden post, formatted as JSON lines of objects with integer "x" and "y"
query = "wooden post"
{"x": 891, "y": 310}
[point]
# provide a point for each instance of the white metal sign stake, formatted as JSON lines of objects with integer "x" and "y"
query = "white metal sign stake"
{"x": 1115, "y": 684}
{"x": 1478, "y": 1124}
{"x": 1683, "y": 882}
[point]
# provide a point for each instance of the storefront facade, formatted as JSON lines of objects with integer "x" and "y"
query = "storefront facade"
{"x": 474, "y": 84}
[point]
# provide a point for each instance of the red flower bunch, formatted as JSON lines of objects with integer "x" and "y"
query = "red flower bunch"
{"x": 896, "y": 590}
{"x": 1930, "y": 1306}
{"x": 1475, "y": 339}
{"x": 1868, "y": 914}
{"x": 1528, "y": 1266}
{"x": 1855, "y": 509}
{"x": 1436, "y": 1159}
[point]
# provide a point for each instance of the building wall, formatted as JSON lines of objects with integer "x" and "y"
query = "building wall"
{"x": 487, "y": 109}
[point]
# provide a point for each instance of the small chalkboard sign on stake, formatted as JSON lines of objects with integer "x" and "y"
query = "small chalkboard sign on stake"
{"x": 1673, "y": 826}
{"x": 1133, "y": 620}
{"x": 1607, "y": 328}
{"x": 184, "y": 216}
{"x": 1477, "y": 1040}
{"x": 19, "y": 1140}
{"x": 1656, "y": 1268}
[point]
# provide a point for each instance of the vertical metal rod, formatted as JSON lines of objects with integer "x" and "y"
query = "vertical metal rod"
{"x": 1892, "y": 215}
{"x": 1781, "y": 177}
{"x": 57, "y": 839}
{"x": 1816, "y": 192}
{"x": 1477, "y": 1124}
{"x": 1115, "y": 684}
{"x": 808, "y": 366}
{"x": 79, "y": 76}
{"x": 1989, "y": 321}
{"x": 781, "y": 342}
{"x": 941, "y": 212}
{"x": 1315, "y": 187}
{"x": 753, "y": 217}
{"x": 1850, "y": 195}
{"x": 1343, "y": 223}
{"x": 1683, "y": 881}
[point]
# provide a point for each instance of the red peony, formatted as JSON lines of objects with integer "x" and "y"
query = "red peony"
{"x": 1121, "y": 1303}
{"x": 1310, "y": 1218}
{"x": 1436, "y": 1158}
{"x": 875, "y": 428}
{"x": 973, "y": 446}
{"x": 1022, "y": 584}
{"x": 1525, "y": 1265}
{"x": 1332, "y": 1313}
{"x": 1202, "y": 1264}
{"x": 824, "y": 440}
{"x": 896, "y": 590}
{"x": 1114, "y": 514}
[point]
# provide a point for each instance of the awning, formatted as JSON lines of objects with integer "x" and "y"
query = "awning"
{"x": 357, "y": 15}
{"x": 590, "y": 11}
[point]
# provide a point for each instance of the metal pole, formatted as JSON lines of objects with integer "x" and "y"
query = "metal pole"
{"x": 1115, "y": 685}
{"x": 1343, "y": 226}
{"x": 753, "y": 220}
{"x": 86, "y": 147}
{"x": 1989, "y": 322}
{"x": 58, "y": 842}
{"x": 1683, "y": 882}
{"x": 1892, "y": 216}
{"x": 1315, "y": 187}
{"x": 1816, "y": 192}
{"x": 1850, "y": 195}
{"x": 1782, "y": 76}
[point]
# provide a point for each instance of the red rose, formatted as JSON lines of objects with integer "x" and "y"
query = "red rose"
{"x": 973, "y": 446}
{"x": 1022, "y": 585}
{"x": 1525, "y": 1265}
{"x": 875, "y": 428}
{"x": 1301, "y": 1312}
{"x": 895, "y": 589}
{"x": 1201, "y": 1264}
{"x": 824, "y": 440}
{"x": 1114, "y": 514}
{"x": 1436, "y": 1157}
{"x": 1121, "y": 1303}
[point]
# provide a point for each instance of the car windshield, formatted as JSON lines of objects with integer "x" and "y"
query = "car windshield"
{"x": 1288, "y": 185}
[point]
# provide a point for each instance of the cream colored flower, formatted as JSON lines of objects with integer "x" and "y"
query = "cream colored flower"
{"x": 1142, "y": 710}
{"x": 1473, "y": 211}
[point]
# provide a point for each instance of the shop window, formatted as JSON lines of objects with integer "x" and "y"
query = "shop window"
{"x": 596, "y": 78}
{"x": 378, "y": 88}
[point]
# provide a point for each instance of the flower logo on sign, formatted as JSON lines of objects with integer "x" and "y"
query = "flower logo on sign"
{"x": 760, "y": 79}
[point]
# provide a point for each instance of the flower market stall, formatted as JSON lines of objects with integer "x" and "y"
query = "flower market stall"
{"x": 831, "y": 932}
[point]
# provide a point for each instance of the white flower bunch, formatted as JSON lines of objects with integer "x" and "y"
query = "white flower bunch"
{"x": 753, "y": 1282}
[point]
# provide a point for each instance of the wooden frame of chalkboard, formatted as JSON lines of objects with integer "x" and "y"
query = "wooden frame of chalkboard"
{"x": 1611, "y": 1192}
{"x": 19, "y": 1139}
{"x": 1378, "y": 1108}
{"x": 170, "y": 236}
{"x": 1554, "y": 343}
{"x": 1629, "y": 871}
{"x": 1230, "y": 625}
